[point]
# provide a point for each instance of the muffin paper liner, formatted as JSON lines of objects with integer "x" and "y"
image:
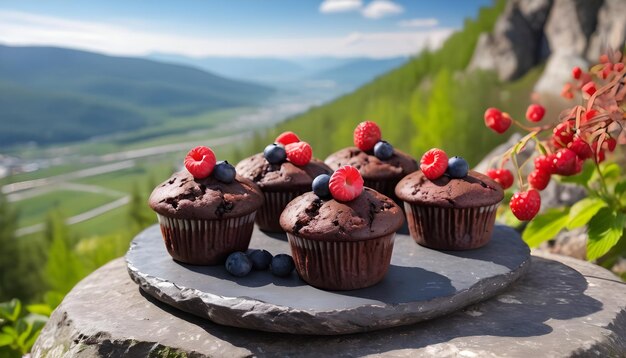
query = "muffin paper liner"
{"x": 385, "y": 187}
{"x": 269, "y": 214}
{"x": 342, "y": 265}
{"x": 206, "y": 242}
{"x": 451, "y": 228}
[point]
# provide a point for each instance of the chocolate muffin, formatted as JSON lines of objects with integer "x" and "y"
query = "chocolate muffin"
{"x": 380, "y": 175}
{"x": 204, "y": 220}
{"x": 450, "y": 214}
{"x": 342, "y": 245}
{"x": 280, "y": 183}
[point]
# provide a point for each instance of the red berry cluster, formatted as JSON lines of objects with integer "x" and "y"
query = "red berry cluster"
{"x": 584, "y": 132}
{"x": 200, "y": 162}
{"x": 298, "y": 152}
{"x": 366, "y": 135}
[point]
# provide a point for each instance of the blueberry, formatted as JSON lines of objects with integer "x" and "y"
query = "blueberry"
{"x": 261, "y": 259}
{"x": 383, "y": 150}
{"x": 457, "y": 167}
{"x": 224, "y": 172}
{"x": 238, "y": 264}
{"x": 320, "y": 185}
{"x": 275, "y": 154}
{"x": 282, "y": 265}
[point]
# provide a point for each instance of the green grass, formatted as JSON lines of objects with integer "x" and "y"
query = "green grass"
{"x": 113, "y": 222}
{"x": 34, "y": 210}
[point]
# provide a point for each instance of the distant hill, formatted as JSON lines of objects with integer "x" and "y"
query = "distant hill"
{"x": 359, "y": 71}
{"x": 62, "y": 89}
{"x": 344, "y": 72}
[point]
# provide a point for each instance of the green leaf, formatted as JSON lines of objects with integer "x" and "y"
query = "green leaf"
{"x": 545, "y": 226}
{"x": 620, "y": 188}
{"x": 611, "y": 170}
{"x": 583, "y": 178}
{"x": 41, "y": 308}
{"x": 5, "y": 339}
{"x": 11, "y": 310}
{"x": 583, "y": 211}
{"x": 605, "y": 230}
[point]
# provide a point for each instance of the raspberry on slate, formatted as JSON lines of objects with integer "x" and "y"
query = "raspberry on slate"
{"x": 504, "y": 177}
{"x": 346, "y": 183}
{"x": 434, "y": 163}
{"x": 287, "y": 138}
{"x": 299, "y": 153}
{"x": 538, "y": 179}
{"x": 366, "y": 135}
{"x": 564, "y": 162}
{"x": 544, "y": 163}
{"x": 525, "y": 205}
{"x": 535, "y": 112}
{"x": 496, "y": 120}
{"x": 200, "y": 162}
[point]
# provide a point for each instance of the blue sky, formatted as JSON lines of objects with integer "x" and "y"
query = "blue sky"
{"x": 248, "y": 28}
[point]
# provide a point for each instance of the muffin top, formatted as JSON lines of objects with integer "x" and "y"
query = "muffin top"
{"x": 372, "y": 168}
{"x": 370, "y": 215}
{"x": 281, "y": 177}
{"x": 474, "y": 190}
{"x": 184, "y": 197}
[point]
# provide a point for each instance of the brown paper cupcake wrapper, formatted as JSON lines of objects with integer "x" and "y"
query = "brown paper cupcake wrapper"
{"x": 269, "y": 214}
{"x": 206, "y": 242}
{"x": 341, "y": 265}
{"x": 451, "y": 228}
{"x": 385, "y": 187}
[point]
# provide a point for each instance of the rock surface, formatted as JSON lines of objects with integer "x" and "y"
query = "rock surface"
{"x": 562, "y": 308}
{"x": 421, "y": 284}
{"x": 567, "y": 33}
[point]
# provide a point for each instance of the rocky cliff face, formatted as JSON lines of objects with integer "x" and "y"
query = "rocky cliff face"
{"x": 565, "y": 33}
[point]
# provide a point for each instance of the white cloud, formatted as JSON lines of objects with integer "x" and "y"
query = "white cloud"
{"x": 19, "y": 28}
{"x": 381, "y": 8}
{"x": 332, "y": 6}
{"x": 430, "y": 22}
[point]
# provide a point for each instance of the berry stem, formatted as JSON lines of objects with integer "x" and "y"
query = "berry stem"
{"x": 520, "y": 179}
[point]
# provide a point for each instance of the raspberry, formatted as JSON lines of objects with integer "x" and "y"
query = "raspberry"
{"x": 299, "y": 153}
{"x": 366, "y": 135}
{"x": 496, "y": 120}
{"x": 589, "y": 88}
{"x": 576, "y": 72}
{"x": 538, "y": 179}
{"x": 618, "y": 67}
{"x": 563, "y": 134}
{"x": 504, "y": 177}
{"x": 535, "y": 112}
{"x": 287, "y": 138}
{"x": 346, "y": 183}
{"x": 525, "y": 205}
{"x": 581, "y": 148}
{"x": 544, "y": 163}
{"x": 434, "y": 163}
{"x": 200, "y": 162}
{"x": 564, "y": 162}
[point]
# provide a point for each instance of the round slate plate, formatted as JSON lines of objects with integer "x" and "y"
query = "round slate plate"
{"x": 421, "y": 284}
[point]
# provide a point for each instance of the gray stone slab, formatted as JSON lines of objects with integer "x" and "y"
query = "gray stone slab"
{"x": 561, "y": 308}
{"x": 421, "y": 284}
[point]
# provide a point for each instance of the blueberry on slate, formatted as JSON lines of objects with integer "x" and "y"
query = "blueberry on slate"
{"x": 275, "y": 154}
{"x": 261, "y": 259}
{"x": 238, "y": 264}
{"x": 224, "y": 172}
{"x": 383, "y": 150}
{"x": 320, "y": 185}
{"x": 282, "y": 265}
{"x": 457, "y": 167}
